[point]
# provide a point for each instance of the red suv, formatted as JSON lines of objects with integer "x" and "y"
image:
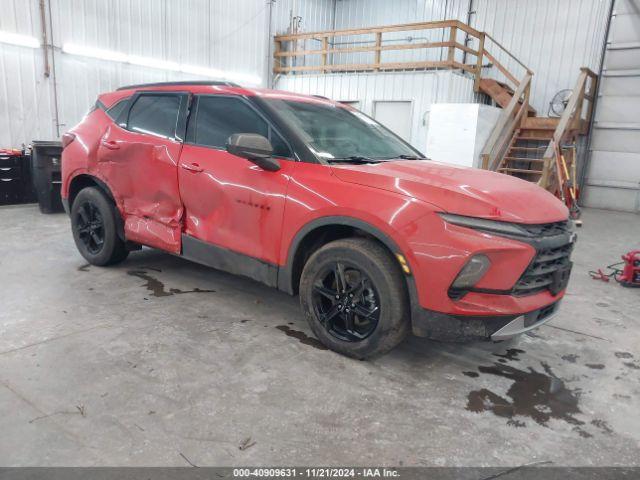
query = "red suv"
{"x": 316, "y": 199}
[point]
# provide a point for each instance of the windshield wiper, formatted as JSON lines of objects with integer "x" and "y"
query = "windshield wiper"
{"x": 410, "y": 157}
{"x": 354, "y": 159}
{"x": 404, "y": 156}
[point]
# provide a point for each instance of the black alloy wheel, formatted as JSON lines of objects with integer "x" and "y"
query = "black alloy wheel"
{"x": 90, "y": 226}
{"x": 354, "y": 297}
{"x": 346, "y": 302}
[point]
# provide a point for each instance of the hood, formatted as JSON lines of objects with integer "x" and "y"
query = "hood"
{"x": 460, "y": 190}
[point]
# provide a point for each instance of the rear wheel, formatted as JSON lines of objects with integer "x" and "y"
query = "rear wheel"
{"x": 354, "y": 297}
{"x": 93, "y": 222}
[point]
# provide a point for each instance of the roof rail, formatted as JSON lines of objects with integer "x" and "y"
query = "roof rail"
{"x": 171, "y": 84}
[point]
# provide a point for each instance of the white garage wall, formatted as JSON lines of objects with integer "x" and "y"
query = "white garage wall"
{"x": 553, "y": 38}
{"x": 232, "y": 35}
{"x": 26, "y": 99}
{"x": 225, "y": 34}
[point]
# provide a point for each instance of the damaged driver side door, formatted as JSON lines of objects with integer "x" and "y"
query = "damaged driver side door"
{"x": 139, "y": 155}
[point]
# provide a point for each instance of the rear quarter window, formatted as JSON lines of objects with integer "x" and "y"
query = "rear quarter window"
{"x": 155, "y": 115}
{"x": 116, "y": 109}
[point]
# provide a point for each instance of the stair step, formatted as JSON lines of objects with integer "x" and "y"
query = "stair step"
{"x": 527, "y": 149}
{"x": 540, "y": 123}
{"x": 524, "y": 159}
{"x": 535, "y": 139}
{"x": 500, "y": 93}
{"x": 519, "y": 170}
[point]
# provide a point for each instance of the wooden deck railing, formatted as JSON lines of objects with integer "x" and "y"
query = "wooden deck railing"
{"x": 575, "y": 120}
{"x": 294, "y": 55}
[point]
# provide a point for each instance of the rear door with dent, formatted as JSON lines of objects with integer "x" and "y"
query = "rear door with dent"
{"x": 138, "y": 156}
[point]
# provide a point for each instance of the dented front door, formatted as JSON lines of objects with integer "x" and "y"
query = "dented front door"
{"x": 140, "y": 159}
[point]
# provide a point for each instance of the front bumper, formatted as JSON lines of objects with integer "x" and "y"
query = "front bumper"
{"x": 441, "y": 326}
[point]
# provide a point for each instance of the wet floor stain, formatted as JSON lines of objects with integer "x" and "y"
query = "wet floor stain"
{"x": 303, "y": 337}
{"x": 510, "y": 355}
{"x": 595, "y": 366}
{"x": 632, "y": 365}
{"x": 602, "y": 425}
{"x": 571, "y": 357}
{"x": 538, "y": 395}
{"x": 471, "y": 374}
{"x": 623, "y": 355}
{"x": 157, "y": 288}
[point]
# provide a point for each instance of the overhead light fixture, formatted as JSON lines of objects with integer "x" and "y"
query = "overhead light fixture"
{"x": 19, "y": 40}
{"x": 113, "y": 56}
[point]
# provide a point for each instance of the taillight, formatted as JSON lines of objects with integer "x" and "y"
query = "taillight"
{"x": 67, "y": 138}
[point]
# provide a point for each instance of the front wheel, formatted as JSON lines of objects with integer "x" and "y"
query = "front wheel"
{"x": 93, "y": 222}
{"x": 354, "y": 297}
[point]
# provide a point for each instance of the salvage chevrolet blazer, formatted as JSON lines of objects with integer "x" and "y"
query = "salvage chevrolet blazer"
{"x": 316, "y": 199}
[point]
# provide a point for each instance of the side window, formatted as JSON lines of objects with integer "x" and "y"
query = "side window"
{"x": 116, "y": 109}
{"x": 217, "y": 118}
{"x": 155, "y": 114}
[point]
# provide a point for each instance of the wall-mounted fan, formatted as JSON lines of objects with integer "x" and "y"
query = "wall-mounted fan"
{"x": 559, "y": 102}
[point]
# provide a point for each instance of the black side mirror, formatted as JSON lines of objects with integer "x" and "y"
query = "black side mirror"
{"x": 255, "y": 148}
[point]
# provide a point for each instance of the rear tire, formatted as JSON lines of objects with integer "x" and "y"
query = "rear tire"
{"x": 354, "y": 297}
{"x": 93, "y": 222}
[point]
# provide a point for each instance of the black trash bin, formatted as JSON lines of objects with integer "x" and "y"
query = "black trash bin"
{"x": 47, "y": 178}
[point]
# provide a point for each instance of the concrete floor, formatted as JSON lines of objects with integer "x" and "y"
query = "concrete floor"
{"x": 128, "y": 366}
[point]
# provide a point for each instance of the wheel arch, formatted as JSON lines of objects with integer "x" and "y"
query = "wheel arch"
{"x": 85, "y": 180}
{"x": 322, "y": 230}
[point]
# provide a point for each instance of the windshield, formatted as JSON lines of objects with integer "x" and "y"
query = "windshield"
{"x": 336, "y": 133}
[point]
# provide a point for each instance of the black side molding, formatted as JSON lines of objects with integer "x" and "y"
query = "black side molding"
{"x": 229, "y": 261}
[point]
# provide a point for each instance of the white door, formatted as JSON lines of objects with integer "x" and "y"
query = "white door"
{"x": 396, "y": 116}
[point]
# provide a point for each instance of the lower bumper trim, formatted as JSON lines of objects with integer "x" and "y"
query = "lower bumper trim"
{"x": 526, "y": 322}
{"x": 456, "y": 328}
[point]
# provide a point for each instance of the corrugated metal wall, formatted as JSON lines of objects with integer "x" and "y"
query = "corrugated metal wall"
{"x": 553, "y": 37}
{"x": 224, "y": 34}
{"x": 26, "y": 97}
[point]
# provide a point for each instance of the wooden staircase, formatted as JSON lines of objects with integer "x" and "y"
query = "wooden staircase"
{"x": 524, "y": 158}
{"x": 526, "y": 146}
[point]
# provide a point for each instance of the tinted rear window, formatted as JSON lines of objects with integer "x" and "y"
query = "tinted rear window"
{"x": 155, "y": 114}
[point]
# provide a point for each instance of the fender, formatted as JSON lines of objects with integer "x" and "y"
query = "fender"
{"x": 285, "y": 273}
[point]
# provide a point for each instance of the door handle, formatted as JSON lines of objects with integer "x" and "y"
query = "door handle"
{"x": 111, "y": 145}
{"x": 192, "y": 167}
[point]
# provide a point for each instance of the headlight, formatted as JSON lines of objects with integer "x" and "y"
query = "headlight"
{"x": 472, "y": 272}
{"x": 486, "y": 225}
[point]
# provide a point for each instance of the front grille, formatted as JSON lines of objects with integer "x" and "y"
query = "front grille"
{"x": 547, "y": 229}
{"x": 553, "y": 251}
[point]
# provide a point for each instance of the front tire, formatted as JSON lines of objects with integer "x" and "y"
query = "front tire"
{"x": 93, "y": 222}
{"x": 354, "y": 297}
